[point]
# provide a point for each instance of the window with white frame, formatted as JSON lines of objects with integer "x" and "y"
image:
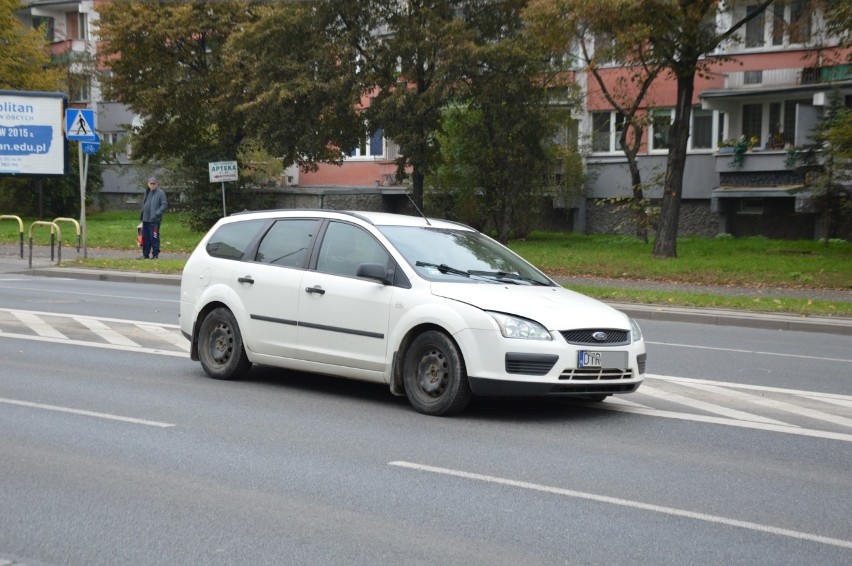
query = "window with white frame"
{"x": 660, "y": 131}
{"x": 705, "y": 129}
{"x": 792, "y": 23}
{"x": 783, "y": 23}
{"x": 371, "y": 147}
{"x": 606, "y": 131}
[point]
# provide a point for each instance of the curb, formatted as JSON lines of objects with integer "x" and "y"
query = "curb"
{"x": 764, "y": 321}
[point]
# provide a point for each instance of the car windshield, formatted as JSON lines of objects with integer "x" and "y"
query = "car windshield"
{"x": 441, "y": 254}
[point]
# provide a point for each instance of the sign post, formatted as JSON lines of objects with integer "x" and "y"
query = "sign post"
{"x": 222, "y": 171}
{"x": 80, "y": 127}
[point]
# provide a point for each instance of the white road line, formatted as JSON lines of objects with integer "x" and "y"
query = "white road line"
{"x": 774, "y": 404}
{"x": 619, "y": 400}
{"x": 106, "y": 332}
{"x": 85, "y": 413}
{"x": 781, "y": 354}
{"x": 841, "y": 402}
{"x": 629, "y": 503}
{"x": 96, "y": 345}
{"x": 723, "y": 421}
{"x": 78, "y": 316}
{"x": 708, "y": 407}
{"x": 172, "y": 337}
{"x": 99, "y": 295}
{"x": 747, "y": 386}
{"x": 38, "y": 325}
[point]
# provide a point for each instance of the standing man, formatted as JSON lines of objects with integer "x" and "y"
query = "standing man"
{"x": 153, "y": 207}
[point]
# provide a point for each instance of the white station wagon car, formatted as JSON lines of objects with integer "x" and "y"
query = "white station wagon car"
{"x": 435, "y": 309}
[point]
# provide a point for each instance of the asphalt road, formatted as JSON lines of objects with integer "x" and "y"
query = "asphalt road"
{"x": 116, "y": 449}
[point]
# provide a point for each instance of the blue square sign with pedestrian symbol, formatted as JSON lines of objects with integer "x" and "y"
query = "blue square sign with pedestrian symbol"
{"x": 80, "y": 125}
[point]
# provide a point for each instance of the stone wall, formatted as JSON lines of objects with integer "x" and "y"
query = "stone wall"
{"x": 603, "y": 217}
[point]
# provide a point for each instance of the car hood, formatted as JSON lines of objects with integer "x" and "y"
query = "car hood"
{"x": 556, "y": 308}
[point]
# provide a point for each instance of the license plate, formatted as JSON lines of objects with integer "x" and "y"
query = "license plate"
{"x": 613, "y": 360}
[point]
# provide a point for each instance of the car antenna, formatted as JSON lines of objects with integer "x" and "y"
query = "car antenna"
{"x": 417, "y": 208}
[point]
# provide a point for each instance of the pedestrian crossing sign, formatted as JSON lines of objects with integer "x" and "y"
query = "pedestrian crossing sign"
{"x": 80, "y": 125}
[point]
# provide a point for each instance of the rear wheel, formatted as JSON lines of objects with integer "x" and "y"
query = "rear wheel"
{"x": 434, "y": 375}
{"x": 220, "y": 346}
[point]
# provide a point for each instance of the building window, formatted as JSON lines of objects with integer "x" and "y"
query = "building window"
{"x": 82, "y": 26}
{"x": 45, "y": 25}
{"x": 702, "y": 129}
{"x": 661, "y": 125}
{"x": 753, "y": 121}
{"x": 791, "y": 23}
{"x": 606, "y": 131}
{"x": 754, "y": 27}
{"x": 373, "y": 146}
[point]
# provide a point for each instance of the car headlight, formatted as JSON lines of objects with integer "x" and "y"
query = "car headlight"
{"x": 517, "y": 327}
{"x": 635, "y": 331}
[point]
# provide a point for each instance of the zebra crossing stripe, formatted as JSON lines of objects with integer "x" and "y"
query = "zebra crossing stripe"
{"x": 37, "y": 325}
{"x": 106, "y": 332}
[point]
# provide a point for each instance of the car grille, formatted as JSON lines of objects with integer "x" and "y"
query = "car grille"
{"x": 583, "y": 337}
{"x": 595, "y": 374}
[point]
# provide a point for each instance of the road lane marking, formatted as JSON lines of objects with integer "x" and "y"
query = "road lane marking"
{"x": 750, "y": 387}
{"x": 781, "y": 354}
{"x": 773, "y": 404}
{"x": 171, "y": 336}
{"x": 673, "y": 511}
{"x": 79, "y": 316}
{"x": 106, "y": 332}
{"x": 38, "y": 325}
{"x": 708, "y": 407}
{"x": 101, "y": 345}
{"x": 55, "y": 291}
{"x": 787, "y": 429}
{"x": 107, "y": 416}
{"x": 840, "y": 402}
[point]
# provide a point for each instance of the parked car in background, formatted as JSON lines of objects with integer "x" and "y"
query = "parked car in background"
{"x": 437, "y": 310}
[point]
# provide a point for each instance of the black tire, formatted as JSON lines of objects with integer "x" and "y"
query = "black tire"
{"x": 434, "y": 375}
{"x": 220, "y": 346}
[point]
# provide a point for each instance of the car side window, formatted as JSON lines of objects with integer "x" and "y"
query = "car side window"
{"x": 287, "y": 242}
{"x": 345, "y": 247}
{"x": 231, "y": 240}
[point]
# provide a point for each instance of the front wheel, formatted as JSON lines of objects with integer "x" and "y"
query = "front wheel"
{"x": 220, "y": 346}
{"x": 434, "y": 375}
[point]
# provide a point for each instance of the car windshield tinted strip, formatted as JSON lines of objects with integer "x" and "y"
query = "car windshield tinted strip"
{"x": 444, "y": 254}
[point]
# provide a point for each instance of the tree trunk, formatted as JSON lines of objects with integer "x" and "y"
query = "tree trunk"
{"x": 665, "y": 244}
{"x": 639, "y": 214}
{"x": 417, "y": 178}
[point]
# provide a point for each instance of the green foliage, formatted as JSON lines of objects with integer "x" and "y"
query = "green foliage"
{"x": 24, "y": 58}
{"x": 49, "y": 197}
{"x": 827, "y": 166}
{"x": 168, "y": 66}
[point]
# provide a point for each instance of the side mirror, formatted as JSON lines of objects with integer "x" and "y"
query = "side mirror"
{"x": 375, "y": 271}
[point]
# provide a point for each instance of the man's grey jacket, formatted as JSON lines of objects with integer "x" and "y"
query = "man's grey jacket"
{"x": 154, "y": 205}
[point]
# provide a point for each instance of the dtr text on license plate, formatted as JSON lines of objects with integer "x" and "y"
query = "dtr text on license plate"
{"x": 589, "y": 359}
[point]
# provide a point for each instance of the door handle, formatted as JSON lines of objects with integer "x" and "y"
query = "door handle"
{"x": 246, "y": 279}
{"x": 318, "y": 290}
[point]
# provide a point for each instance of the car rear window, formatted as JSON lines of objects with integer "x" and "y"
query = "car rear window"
{"x": 231, "y": 240}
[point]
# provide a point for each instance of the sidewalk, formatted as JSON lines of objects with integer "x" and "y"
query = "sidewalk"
{"x": 44, "y": 266}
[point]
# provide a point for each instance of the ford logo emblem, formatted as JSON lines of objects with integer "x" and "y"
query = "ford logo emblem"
{"x": 600, "y": 336}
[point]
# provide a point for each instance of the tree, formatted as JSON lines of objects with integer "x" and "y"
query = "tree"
{"x": 827, "y": 166}
{"x": 25, "y": 62}
{"x": 604, "y": 31}
{"x": 294, "y": 80}
{"x": 680, "y": 34}
{"x": 167, "y": 61}
{"x": 503, "y": 122}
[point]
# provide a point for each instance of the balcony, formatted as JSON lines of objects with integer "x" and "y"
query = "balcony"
{"x": 781, "y": 78}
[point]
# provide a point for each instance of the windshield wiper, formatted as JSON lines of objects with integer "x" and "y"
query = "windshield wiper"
{"x": 513, "y": 277}
{"x": 443, "y": 268}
